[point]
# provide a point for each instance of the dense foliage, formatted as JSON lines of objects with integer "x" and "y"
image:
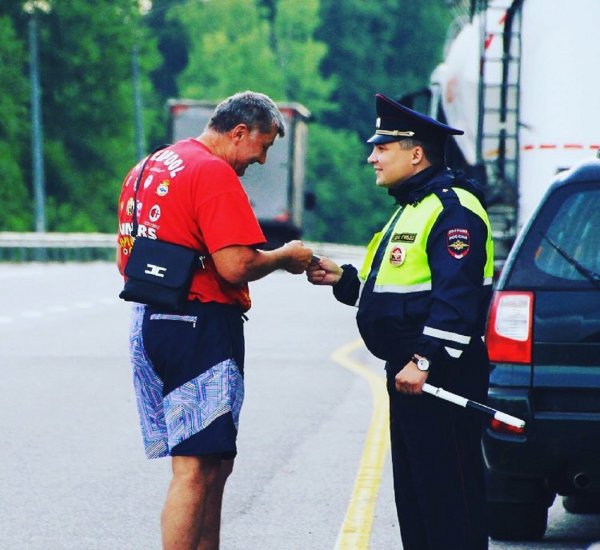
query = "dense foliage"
{"x": 330, "y": 55}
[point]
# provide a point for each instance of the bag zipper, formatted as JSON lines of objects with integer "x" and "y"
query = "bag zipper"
{"x": 172, "y": 317}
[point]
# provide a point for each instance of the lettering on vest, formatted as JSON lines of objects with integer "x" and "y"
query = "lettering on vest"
{"x": 404, "y": 237}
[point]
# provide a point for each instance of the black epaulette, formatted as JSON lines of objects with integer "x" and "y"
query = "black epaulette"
{"x": 447, "y": 196}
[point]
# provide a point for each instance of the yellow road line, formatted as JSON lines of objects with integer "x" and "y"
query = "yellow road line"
{"x": 355, "y": 531}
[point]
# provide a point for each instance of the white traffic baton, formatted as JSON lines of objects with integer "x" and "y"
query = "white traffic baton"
{"x": 468, "y": 403}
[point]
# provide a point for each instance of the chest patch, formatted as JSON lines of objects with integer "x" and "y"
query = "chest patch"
{"x": 458, "y": 242}
{"x": 404, "y": 237}
{"x": 397, "y": 256}
{"x": 163, "y": 188}
{"x": 130, "y": 206}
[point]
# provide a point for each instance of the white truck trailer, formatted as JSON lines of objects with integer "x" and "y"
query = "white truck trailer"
{"x": 277, "y": 190}
{"x": 520, "y": 78}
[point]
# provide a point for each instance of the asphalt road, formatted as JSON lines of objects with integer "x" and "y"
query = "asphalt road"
{"x": 72, "y": 470}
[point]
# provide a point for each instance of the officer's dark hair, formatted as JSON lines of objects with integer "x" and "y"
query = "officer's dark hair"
{"x": 254, "y": 109}
{"x": 434, "y": 150}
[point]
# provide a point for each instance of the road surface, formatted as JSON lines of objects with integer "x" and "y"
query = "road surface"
{"x": 312, "y": 471}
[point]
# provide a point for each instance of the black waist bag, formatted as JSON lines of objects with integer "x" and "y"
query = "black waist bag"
{"x": 159, "y": 274}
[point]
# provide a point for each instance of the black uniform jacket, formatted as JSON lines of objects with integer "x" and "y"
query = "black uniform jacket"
{"x": 392, "y": 325}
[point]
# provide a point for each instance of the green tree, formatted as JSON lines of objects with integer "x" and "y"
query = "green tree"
{"x": 15, "y": 213}
{"x": 88, "y": 108}
{"x": 172, "y": 45}
{"x": 228, "y": 50}
{"x": 372, "y": 47}
{"x": 349, "y": 205}
{"x": 388, "y": 46}
{"x": 300, "y": 54}
{"x": 170, "y": 35}
{"x": 330, "y": 55}
{"x": 85, "y": 60}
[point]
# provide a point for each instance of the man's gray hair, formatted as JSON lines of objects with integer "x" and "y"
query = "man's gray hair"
{"x": 254, "y": 109}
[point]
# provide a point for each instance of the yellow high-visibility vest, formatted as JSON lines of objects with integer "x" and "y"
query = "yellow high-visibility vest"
{"x": 405, "y": 266}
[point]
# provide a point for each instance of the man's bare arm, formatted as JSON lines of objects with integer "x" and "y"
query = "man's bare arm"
{"x": 241, "y": 264}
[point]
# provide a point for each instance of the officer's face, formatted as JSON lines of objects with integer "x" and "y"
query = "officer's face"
{"x": 392, "y": 164}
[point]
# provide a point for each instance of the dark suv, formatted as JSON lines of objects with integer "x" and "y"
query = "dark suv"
{"x": 543, "y": 337}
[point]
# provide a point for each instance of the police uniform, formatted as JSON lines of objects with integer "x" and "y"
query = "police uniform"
{"x": 424, "y": 290}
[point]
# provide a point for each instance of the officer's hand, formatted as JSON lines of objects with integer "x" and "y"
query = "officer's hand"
{"x": 297, "y": 257}
{"x": 410, "y": 379}
{"x": 323, "y": 271}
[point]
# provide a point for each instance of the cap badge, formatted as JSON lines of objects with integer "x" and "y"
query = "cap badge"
{"x": 395, "y": 133}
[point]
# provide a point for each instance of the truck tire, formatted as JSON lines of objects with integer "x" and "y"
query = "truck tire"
{"x": 517, "y": 520}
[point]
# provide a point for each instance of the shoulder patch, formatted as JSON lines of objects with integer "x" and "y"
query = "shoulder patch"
{"x": 458, "y": 242}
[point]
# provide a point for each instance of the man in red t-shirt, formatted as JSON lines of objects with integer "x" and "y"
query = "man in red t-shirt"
{"x": 188, "y": 367}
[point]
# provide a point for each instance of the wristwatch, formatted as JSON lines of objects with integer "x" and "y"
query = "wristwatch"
{"x": 423, "y": 363}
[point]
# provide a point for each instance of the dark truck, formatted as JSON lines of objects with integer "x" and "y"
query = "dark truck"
{"x": 277, "y": 190}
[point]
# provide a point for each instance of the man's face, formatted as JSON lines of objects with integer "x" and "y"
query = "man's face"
{"x": 252, "y": 148}
{"x": 392, "y": 164}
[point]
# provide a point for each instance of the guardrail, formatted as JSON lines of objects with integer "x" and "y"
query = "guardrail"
{"x": 85, "y": 247}
{"x": 61, "y": 247}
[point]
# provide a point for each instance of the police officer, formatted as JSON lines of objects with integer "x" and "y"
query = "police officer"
{"x": 422, "y": 296}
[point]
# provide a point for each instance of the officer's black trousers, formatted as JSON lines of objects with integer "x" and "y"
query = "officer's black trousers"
{"x": 437, "y": 463}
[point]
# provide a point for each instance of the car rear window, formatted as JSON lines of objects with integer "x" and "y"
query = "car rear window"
{"x": 562, "y": 246}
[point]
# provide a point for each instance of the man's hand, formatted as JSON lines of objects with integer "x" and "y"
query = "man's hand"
{"x": 297, "y": 257}
{"x": 323, "y": 271}
{"x": 410, "y": 379}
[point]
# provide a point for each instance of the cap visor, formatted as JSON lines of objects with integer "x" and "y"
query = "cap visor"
{"x": 378, "y": 138}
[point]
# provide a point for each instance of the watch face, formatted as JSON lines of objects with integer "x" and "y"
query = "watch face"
{"x": 423, "y": 364}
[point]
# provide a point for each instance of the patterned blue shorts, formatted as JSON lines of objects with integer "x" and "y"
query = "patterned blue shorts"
{"x": 188, "y": 378}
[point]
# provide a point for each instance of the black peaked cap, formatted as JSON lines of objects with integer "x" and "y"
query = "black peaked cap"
{"x": 396, "y": 122}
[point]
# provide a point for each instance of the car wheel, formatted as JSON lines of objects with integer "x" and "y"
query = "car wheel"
{"x": 517, "y": 520}
{"x": 582, "y": 504}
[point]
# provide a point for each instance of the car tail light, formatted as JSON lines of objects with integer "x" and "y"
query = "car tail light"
{"x": 503, "y": 428}
{"x": 509, "y": 330}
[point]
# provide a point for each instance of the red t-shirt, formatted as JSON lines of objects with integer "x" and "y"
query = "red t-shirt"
{"x": 191, "y": 197}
